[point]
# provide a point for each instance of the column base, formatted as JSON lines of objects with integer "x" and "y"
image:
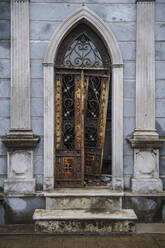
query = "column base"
{"x": 19, "y": 186}
{"x": 147, "y": 185}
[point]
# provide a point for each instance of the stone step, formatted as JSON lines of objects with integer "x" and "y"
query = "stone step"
{"x": 83, "y": 199}
{"x": 84, "y": 221}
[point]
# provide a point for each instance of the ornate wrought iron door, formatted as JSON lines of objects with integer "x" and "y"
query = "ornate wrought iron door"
{"x": 81, "y": 97}
{"x": 69, "y": 129}
{"x": 97, "y": 88}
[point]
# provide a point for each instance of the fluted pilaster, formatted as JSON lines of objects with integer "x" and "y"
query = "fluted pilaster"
{"x": 145, "y": 141}
{"x": 20, "y": 65}
{"x": 145, "y": 66}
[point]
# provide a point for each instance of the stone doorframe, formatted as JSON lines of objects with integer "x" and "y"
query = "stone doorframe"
{"x": 91, "y": 19}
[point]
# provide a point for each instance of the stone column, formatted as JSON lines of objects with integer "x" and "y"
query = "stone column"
{"x": 20, "y": 141}
{"x": 117, "y": 127}
{"x": 146, "y": 141}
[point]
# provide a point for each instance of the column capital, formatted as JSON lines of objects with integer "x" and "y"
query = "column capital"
{"x": 144, "y": 1}
{"x": 20, "y": 1}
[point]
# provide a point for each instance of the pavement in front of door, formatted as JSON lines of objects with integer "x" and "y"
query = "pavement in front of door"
{"x": 23, "y": 236}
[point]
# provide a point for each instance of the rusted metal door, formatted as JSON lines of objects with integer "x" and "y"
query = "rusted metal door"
{"x": 81, "y": 94}
{"x": 80, "y": 115}
{"x": 97, "y": 88}
{"x": 69, "y": 129}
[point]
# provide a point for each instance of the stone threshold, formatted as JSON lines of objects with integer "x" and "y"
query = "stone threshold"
{"x": 83, "y": 192}
{"x": 94, "y": 214}
{"x": 109, "y": 192}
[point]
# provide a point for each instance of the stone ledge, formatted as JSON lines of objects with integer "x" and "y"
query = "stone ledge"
{"x": 82, "y": 192}
{"x": 95, "y": 214}
{"x": 84, "y": 221}
{"x": 146, "y": 142}
{"x": 20, "y": 139}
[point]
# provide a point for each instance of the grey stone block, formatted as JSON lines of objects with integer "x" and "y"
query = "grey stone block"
{"x": 160, "y": 109}
{"x": 39, "y": 182}
{"x": 37, "y": 107}
{"x": 129, "y": 108}
{"x": 160, "y": 124}
{"x": 127, "y": 181}
{"x": 128, "y": 165}
{"x": 163, "y": 181}
{"x": 2, "y": 178}
{"x": 162, "y": 150}
{"x": 4, "y": 69}
{"x": 160, "y": 10}
{"x": 37, "y": 88}
{"x": 42, "y": 31}
{"x": 3, "y": 165}
{"x": 4, "y": 88}
{"x": 115, "y": 13}
{"x": 162, "y": 166}
{"x": 124, "y": 31}
{"x": 38, "y": 50}
{"x": 39, "y": 148}
{"x": 38, "y": 165}
{"x": 83, "y": 202}
{"x": 160, "y": 32}
{"x": 127, "y": 149}
{"x": 20, "y": 210}
{"x": 4, "y": 10}
{"x": 128, "y": 50}
{"x": 160, "y": 89}
{"x": 4, "y": 108}
{"x": 4, "y": 126}
{"x": 51, "y": 12}
{"x": 2, "y": 148}
{"x": 163, "y": 213}
{"x": 129, "y": 126}
{"x": 129, "y": 89}
{"x": 37, "y": 126}
{"x": 36, "y": 70}
{"x": 147, "y": 209}
{"x": 5, "y": 30}
{"x": 160, "y": 71}
{"x": 160, "y": 51}
{"x": 2, "y": 214}
{"x": 129, "y": 70}
{"x": 4, "y": 50}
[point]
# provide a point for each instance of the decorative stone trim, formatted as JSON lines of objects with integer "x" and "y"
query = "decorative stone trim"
{"x": 20, "y": 139}
{"x": 146, "y": 142}
{"x": 145, "y": 1}
{"x": 84, "y": 14}
{"x": 87, "y": 16}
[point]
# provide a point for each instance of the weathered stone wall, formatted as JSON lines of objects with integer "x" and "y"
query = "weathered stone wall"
{"x": 45, "y": 17}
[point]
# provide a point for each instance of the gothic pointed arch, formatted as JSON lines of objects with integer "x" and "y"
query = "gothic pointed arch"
{"x": 84, "y": 15}
{"x": 89, "y": 17}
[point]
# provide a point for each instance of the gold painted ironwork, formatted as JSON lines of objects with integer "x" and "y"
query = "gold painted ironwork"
{"x": 84, "y": 154}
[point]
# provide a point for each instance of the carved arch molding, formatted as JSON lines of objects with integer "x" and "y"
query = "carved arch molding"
{"x": 104, "y": 33}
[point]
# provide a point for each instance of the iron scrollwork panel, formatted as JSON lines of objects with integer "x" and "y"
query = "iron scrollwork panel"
{"x": 97, "y": 89}
{"x": 68, "y": 126}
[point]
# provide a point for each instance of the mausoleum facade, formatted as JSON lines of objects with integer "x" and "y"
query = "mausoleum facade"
{"x": 82, "y": 105}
